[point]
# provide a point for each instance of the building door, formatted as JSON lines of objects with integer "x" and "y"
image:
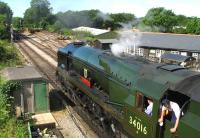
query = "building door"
{"x": 40, "y": 93}
{"x": 28, "y": 97}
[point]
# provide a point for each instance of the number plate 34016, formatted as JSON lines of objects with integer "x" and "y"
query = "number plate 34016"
{"x": 138, "y": 125}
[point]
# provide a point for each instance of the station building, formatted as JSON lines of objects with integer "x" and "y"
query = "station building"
{"x": 156, "y": 44}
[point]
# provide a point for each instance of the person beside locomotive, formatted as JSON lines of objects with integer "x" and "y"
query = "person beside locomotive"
{"x": 169, "y": 106}
{"x": 149, "y": 108}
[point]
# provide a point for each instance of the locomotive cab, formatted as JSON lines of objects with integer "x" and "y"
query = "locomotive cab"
{"x": 183, "y": 102}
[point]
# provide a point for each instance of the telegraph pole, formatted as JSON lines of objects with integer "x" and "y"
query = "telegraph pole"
{"x": 11, "y": 33}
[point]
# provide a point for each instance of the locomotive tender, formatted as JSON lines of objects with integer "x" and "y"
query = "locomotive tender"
{"x": 115, "y": 91}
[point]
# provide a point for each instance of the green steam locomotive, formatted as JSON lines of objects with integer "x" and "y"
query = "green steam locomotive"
{"x": 116, "y": 91}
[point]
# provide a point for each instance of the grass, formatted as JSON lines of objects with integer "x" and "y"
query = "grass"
{"x": 13, "y": 129}
{"x": 108, "y": 35}
{"x": 82, "y": 35}
{"x": 9, "y": 55}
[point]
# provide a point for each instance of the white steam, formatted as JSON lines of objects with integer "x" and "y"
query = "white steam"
{"x": 127, "y": 43}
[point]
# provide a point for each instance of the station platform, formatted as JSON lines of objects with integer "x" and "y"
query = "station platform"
{"x": 44, "y": 118}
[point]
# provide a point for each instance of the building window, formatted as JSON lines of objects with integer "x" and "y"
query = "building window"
{"x": 175, "y": 52}
{"x": 152, "y": 51}
{"x": 195, "y": 54}
{"x": 162, "y": 51}
{"x": 184, "y": 53}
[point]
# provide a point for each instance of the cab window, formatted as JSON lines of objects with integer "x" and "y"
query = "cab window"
{"x": 144, "y": 104}
{"x": 139, "y": 101}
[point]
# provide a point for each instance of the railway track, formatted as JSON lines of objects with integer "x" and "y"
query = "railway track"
{"x": 49, "y": 71}
{"x": 46, "y": 49}
{"x": 92, "y": 122}
{"x": 47, "y": 41}
{"x": 51, "y": 38}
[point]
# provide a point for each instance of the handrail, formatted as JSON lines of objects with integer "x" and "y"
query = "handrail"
{"x": 29, "y": 131}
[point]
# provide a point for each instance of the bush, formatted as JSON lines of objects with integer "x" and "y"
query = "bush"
{"x": 9, "y": 55}
{"x": 180, "y": 30}
{"x": 9, "y": 126}
{"x": 14, "y": 129}
{"x": 82, "y": 35}
{"x": 4, "y": 112}
{"x": 51, "y": 28}
{"x": 6, "y": 102}
{"x": 193, "y": 26}
{"x": 67, "y": 32}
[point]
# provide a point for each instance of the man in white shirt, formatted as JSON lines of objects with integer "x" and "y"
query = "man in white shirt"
{"x": 174, "y": 107}
{"x": 149, "y": 109}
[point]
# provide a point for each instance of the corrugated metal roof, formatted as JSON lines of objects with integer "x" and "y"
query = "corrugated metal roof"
{"x": 176, "y": 57}
{"x": 93, "y": 31}
{"x": 108, "y": 41}
{"x": 171, "y": 67}
{"x": 21, "y": 73}
{"x": 171, "y": 41}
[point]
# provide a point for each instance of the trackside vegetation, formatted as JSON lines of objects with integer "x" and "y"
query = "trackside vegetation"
{"x": 10, "y": 127}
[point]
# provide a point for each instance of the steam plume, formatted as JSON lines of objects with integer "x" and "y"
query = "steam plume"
{"x": 127, "y": 43}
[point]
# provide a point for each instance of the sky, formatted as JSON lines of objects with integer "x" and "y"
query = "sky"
{"x": 137, "y": 7}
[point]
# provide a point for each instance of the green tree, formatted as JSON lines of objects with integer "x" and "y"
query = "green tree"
{"x": 96, "y": 19}
{"x": 181, "y": 24}
{"x": 5, "y": 20}
{"x": 72, "y": 19}
{"x": 17, "y": 22}
{"x": 5, "y": 10}
{"x": 182, "y": 20}
{"x": 92, "y": 18}
{"x": 39, "y": 14}
{"x": 193, "y": 26}
{"x": 122, "y": 17}
{"x": 28, "y": 18}
{"x": 98, "y": 22}
{"x": 111, "y": 24}
{"x": 3, "y": 28}
{"x": 160, "y": 19}
{"x": 117, "y": 20}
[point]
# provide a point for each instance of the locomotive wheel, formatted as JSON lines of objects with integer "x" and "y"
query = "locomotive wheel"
{"x": 116, "y": 130}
